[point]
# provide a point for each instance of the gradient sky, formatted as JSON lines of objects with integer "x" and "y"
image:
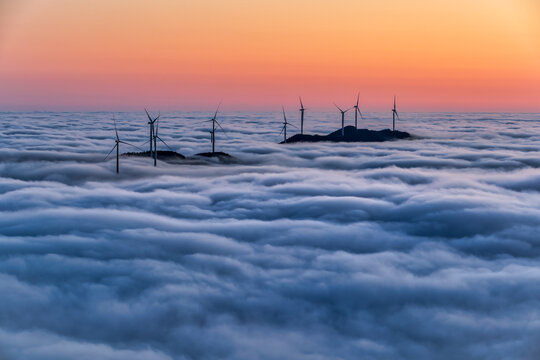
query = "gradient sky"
{"x": 456, "y": 55}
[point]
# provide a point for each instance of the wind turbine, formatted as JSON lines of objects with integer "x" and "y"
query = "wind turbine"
{"x": 356, "y": 112}
{"x": 156, "y": 137}
{"x": 117, "y": 147}
{"x": 151, "y": 123}
{"x": 394, "y": 115}
{"x": 342, "y": 119}
{"x": 284, "y": 128}
{"x": 302, "y": 109}
{"x": 213, "y": 132}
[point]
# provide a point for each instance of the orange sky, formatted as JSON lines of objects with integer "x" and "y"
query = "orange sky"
{"x": 186, "y": 55}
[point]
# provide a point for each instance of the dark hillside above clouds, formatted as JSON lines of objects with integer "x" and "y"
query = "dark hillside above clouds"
{"x": 352, "y": 135}
{"x": 161, "y": 154}
{"x": 216, "y": 154}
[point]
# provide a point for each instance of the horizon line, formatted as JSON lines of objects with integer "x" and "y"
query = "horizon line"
{"x": 278, "y": 109}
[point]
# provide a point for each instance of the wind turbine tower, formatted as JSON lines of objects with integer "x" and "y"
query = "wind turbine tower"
{"x": 213, "y": 139}
{"x": 342, "y": 119}
{"x": 117, "y": 147}
{"x": 213, "y": 132}
{"x": 394, "y": 115}
{"x": 356, "y": 112}
{"x": 284, "y": 128}
{"x": 155, "y": 139}
{"x": 302, "y": 109}
{"x": 151, "y": 123}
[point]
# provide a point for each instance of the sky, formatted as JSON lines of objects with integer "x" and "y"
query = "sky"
{"x": 444, "y": 55}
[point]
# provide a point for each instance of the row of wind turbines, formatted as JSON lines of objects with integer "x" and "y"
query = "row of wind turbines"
{"x": 154, "y": 137}
{"x": 357, "y": 111}
{"x": 154, "y": 129}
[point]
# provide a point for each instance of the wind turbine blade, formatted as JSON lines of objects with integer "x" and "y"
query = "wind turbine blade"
{"x": 147, "y": 114}
{"x": 361, "y": 116}
{"x": 155, "y": 119}
{"x": 348, "y": 109}
{"x": 160, "y": 139}
{"x": 338, "y": 107}
{"x": 398, "y": 116}
{"x": 135, "y": 146}
{"x": 292, "y": 125}
{"x": 283, "y": 128}
{"x": 357, "y": 99}
{"x": 144, "y": 143}
{"x": 301, "y": 105}
{"x": 221, "y": 127}
{"x": 202, "y": 122}
{"x": 284, "y": 117}
{"x": 215, "y": 114}
{"x": 116, "y": 131}
{"x": 114, "y": 147}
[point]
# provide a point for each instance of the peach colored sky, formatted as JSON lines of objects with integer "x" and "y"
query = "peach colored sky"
{"x": 183, "y": 55}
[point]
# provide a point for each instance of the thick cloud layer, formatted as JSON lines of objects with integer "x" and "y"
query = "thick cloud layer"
{"x": 416, "y": 249}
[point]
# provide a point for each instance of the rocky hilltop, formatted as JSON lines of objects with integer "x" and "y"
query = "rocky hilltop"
{"x": 352, "y": 135}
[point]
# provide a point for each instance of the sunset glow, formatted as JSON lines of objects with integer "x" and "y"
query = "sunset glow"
{"x": 435, "y": 55}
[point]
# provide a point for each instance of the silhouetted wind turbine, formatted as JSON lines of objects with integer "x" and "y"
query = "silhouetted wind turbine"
{"x": 394, "y": 115}
{"x": 356, "y": 112}
{"x": 151, "y": 123}
{"x": 156, "y": 137}
{"x": 302, "y": 109}
{"x": 284, "y": 128}
{"x": 117, "y": 147}
{"x": 213, "y": 132}
{"x": 342, "y": 119}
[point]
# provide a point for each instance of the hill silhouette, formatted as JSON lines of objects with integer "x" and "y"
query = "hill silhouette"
{"x": 217, "y": 154}
{"x": 352, "y": 135}
{"x": 161, "y": 155}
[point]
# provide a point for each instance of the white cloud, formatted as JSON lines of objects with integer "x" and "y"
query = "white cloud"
{"x": 417, "y": 250}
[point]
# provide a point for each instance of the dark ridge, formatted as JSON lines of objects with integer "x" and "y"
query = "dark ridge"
{"x": 217, "y": 154}
{"x": 161, "y": 155}
{"x": 352, "y": 135}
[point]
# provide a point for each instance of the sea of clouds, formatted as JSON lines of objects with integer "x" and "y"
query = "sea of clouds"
{"x": 420, "y": 249}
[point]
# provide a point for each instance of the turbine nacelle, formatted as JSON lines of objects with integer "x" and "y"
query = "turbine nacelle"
{"x": 341, "y": 110}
